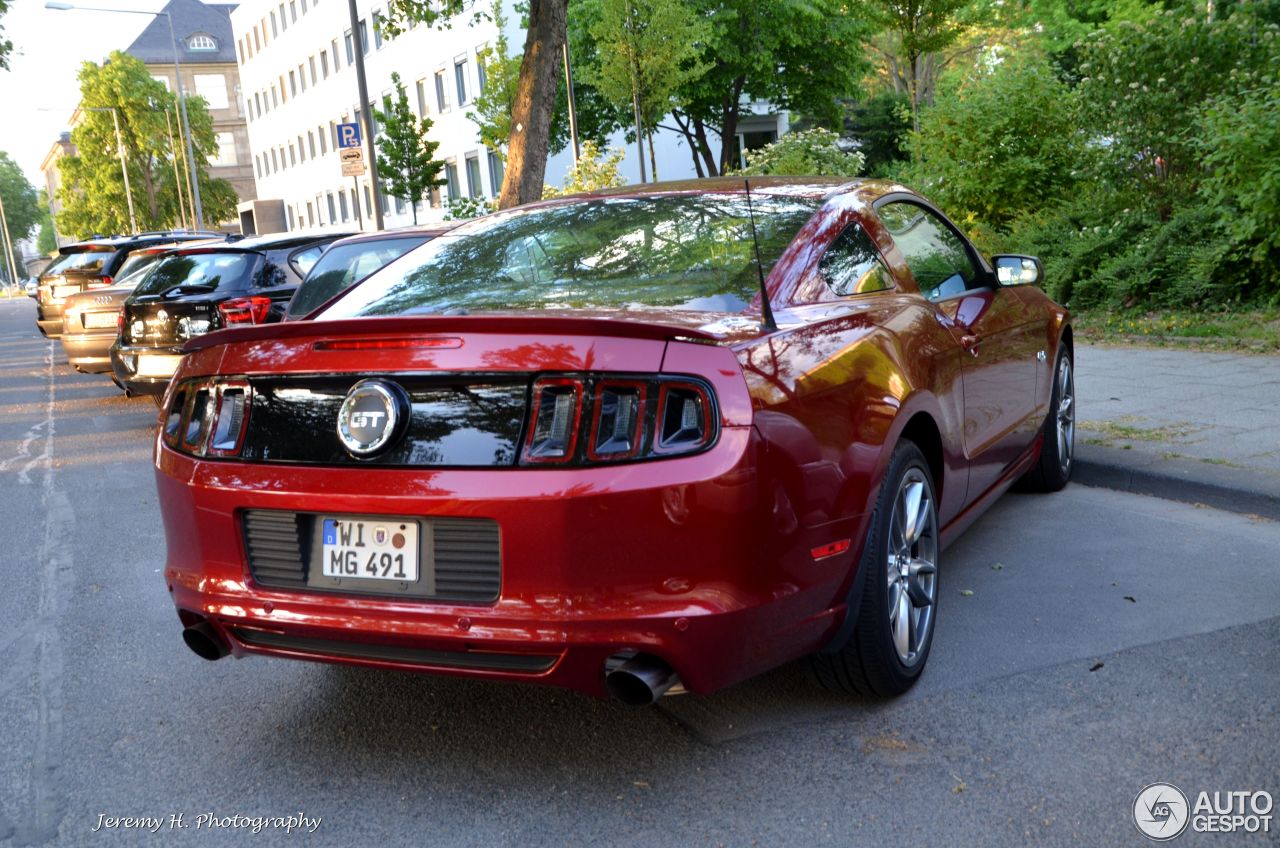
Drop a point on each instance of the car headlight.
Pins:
(188, 327)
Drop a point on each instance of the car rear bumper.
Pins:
(89, 352)
(49, 319)
(674, 558)
(124, 361)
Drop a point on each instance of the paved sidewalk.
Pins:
(1183, 424)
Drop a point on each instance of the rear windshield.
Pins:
(136, 262)
(344, 266)
(194, 272)
(83, 261)
(686, 251)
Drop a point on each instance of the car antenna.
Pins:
(769, 323)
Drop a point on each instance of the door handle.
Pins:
(970, 343)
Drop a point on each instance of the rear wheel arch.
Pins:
(923, 431)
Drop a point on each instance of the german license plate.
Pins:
(64, 291)
(152, 365)
(99, 320)
(369, 548)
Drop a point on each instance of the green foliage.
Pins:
(1000, 141)
(596, 169)
(645, 52)
(21, 204)
(47, 240)
(93, 192)
(491, 110)
(406, 163)
(814, 152)
(462, 208)
(6, 46)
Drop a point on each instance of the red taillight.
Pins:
(100, 283)
(245, 310)
(120, 322)
(207, 417)
(628, 418)
(557, 410)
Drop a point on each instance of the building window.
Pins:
(377, 30)
(257, 99)
(201, 41)
(474, 187)
(324, 64)
(293, 11)
(275, 97)
(257, 166)
(342, 203)
(355, 204)
(333, 48)
(226, 152)
(213, 88)
(422, 98)
(333, 215)
(496, 172)
(302, 151)
(284, 22)
(293, 84)
(240, 50)
(460, 77)
(351, 49)
(368, 202)
(312, 62)
(304, 6)
(257, 42)
(275, 33)
(311, 143)
(275, 163)
(323, 148)
(481, 77)
(311, 212)
(451, 178)
(441, 103)
(364, 37)
(293, 155)
(248, 110)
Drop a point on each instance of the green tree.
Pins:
(6, 46)
(47, 240)
(800, 55)
(21, 204)
(646, 51)
(915, 31)
(595, 169)
(814, 152)
(406, 162)
(999, 141)
(93, 193)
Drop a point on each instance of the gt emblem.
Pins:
(373, 415)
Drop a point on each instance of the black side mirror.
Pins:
(1015, 270)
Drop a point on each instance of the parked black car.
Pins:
(196, 290)
(92, 264)
(350, 260)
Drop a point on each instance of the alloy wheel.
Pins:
(1066, 417)
(912, 567)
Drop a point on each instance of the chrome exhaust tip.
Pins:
(640, 680)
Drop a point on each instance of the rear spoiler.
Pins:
(550, 325)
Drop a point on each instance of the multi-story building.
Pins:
(206, 52)
(297, 70)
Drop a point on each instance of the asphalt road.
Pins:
(1089, 643)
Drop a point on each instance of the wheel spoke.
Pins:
(915, 509)
(921, 570)
(902, 626)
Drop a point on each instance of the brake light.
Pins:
(120, 322)
(557, 409)
(208, 417)
(100, 283)
(245, 310)
(615, 418)
(388, 344)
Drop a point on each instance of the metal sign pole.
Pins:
(365, 111)
(355, 186)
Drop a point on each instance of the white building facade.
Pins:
(298, 80)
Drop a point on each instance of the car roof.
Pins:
(283, 241)
(115, 242)
(421, 230)
(810, 187)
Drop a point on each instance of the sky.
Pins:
(39, 91)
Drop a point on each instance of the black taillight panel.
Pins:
(208, 417)
(602, 419)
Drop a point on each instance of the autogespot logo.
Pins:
(1160, 811)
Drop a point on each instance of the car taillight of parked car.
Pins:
(243, 311)
(120, 322)
(100, 283)
(208, 417)
(594, 420)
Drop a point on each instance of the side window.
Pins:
(936, 256)
(851, 264)
(304, 259)
(270, 275)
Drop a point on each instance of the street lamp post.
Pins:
(182, 97)
(124, 169)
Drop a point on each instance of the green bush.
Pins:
(814, 152)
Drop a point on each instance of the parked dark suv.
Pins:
(196, 290)
(91, 264)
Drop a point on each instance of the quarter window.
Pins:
(852, 265)
(938, 258)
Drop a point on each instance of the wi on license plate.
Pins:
(370, 549)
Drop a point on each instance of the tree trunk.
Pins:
(704, 147)
(534, 103)
(683, 125)
(729, 125)
(653, 161)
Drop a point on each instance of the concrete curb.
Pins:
(1224, 487)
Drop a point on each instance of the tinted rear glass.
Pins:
(689, 252)
(136, 262)
(211, 271)
(84, 262)
(344, 266)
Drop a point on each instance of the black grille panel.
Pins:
(488, 661)
(466, 554)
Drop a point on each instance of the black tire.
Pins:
(1053, 470)
(869, 663)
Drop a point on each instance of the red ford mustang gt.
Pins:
(668, 435)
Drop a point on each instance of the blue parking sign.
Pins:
(348, 135)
